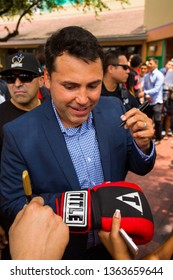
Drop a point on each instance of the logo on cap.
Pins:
(17, 61)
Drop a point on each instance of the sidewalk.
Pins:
(158, 188)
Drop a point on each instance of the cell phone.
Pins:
(131, 245)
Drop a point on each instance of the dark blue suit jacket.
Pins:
(34, 142)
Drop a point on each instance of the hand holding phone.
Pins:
(131, 245)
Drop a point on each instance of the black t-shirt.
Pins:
(8, 112)
(123, 94)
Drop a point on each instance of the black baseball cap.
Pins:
(24, 62)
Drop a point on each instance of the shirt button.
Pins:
(89, 159)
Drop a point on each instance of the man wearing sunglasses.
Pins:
(116, 72)
(23, 78)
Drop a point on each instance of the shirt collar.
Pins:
(73, 130)
(154, 71)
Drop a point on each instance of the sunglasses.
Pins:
(124, 66)
(23, 77)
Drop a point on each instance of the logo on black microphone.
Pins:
(132, 199)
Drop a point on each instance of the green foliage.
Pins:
(26, 8)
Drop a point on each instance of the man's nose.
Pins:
(82, 97)
(17, 82)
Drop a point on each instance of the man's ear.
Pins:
(41, 81)
(46, 78)
(111, 68)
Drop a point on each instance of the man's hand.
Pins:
(38, 233)
(141, 128)
(145, 96)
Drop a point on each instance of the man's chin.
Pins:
(77, 122)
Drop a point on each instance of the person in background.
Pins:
(168, 65)
(4, 92)
(40, 55)
(153, 92)
(73, 141)
(133, 83)
(23, 78)
(167, 110)
(116, 71)
(143, 72)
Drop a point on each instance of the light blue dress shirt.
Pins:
(83, 148)
(153, 86)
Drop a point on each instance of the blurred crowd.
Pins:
(156, 86)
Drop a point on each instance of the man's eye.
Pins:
(70, 86)
(92, 86)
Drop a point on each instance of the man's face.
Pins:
(143, 70)
(75, 88)
(24, 92)
(118, 72)
(169, 65)
(152, 65)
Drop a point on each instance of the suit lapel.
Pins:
(58, 146)
(103, 142)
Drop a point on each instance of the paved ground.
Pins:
(158, 188)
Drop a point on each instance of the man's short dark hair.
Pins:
(74, 40)
(143, 64)
(136, 61)
(153, 59)
(112, 57)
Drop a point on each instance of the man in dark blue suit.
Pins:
(73, 140)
